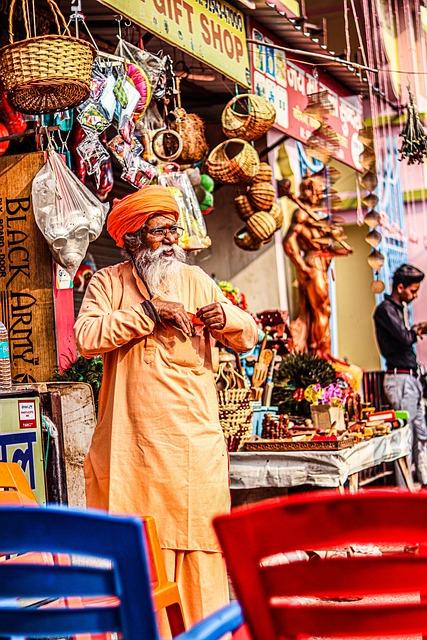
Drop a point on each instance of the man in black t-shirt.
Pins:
(396, 341)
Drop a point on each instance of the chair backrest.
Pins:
(157, 564)
(14, 487)
(281, 598)
(91, 534)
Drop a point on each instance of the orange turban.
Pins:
(131, 213)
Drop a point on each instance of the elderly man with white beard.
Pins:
(158, 448)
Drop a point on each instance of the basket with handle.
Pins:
(258, 117)
(235, 407)
(233, 161)
(46, 73)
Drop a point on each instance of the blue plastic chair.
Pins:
(97, 535)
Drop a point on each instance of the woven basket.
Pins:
(276, 212)
(262, 195)
(191, 128)
(258, 116)
(243, 206)
(246, 241)
(46, 73)
(235, 416)
(265, 173)
(241, 167)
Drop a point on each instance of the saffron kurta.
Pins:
(158, 448)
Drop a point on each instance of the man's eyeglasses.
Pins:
(162, 232)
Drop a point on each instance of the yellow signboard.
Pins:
(211, 30)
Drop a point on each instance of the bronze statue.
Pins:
(311, 243)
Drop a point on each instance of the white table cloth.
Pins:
(253, 470)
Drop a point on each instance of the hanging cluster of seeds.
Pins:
(369, 182)
(414, 138)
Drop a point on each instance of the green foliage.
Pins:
(302, 369)
(83, 370)
(298, 371)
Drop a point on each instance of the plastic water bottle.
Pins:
(5, 371)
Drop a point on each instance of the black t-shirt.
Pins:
(395, 341)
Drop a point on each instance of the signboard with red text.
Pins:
(211, 30)
(287, 84)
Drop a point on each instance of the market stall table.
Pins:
(323, 469)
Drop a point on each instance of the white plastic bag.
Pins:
(66, 212)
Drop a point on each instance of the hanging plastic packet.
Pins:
(66, 212)
(119, 91)
(195, 235)
(127, 129)
(92, 152)
(123, 114)
(153, 65)
(138, 172)
(107, 99)
(92, 118)
(64, 120)
(122, 150)
(97, 84)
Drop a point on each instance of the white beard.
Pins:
(160, 272)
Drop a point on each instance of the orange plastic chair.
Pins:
(14, 487)
(289, 599)
(165, 594)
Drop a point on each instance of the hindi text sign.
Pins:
(287, 85)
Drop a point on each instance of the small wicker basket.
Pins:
(260, 115)
(46, 73)
(241, 167)
(235, 408)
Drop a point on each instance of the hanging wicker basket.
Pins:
(46, 73)
(256, 119)
(232, 166)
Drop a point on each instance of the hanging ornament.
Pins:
(369, 180)
(370, 201)
(377, 286)
(414, 139)
(376, 259)
(373, 238)
(367, 159)
(372, 219)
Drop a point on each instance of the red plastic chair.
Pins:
(282, 599)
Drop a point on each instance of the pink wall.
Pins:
(416, 223)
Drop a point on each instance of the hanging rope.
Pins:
(347, 31)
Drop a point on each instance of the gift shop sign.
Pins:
(211, 30)
(287, 84)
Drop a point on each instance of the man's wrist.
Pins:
(151, 311)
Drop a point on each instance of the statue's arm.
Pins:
(291, 248)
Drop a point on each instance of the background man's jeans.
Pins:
(405, 392)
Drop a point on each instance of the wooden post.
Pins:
(27, 306)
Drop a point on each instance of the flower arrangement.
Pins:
(233, 294)
(334, 394)
(304, 380)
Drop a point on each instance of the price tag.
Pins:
(63, 280)
(27, 414)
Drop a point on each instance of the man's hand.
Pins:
(174, 313)
(420, 328)
(213, 316)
